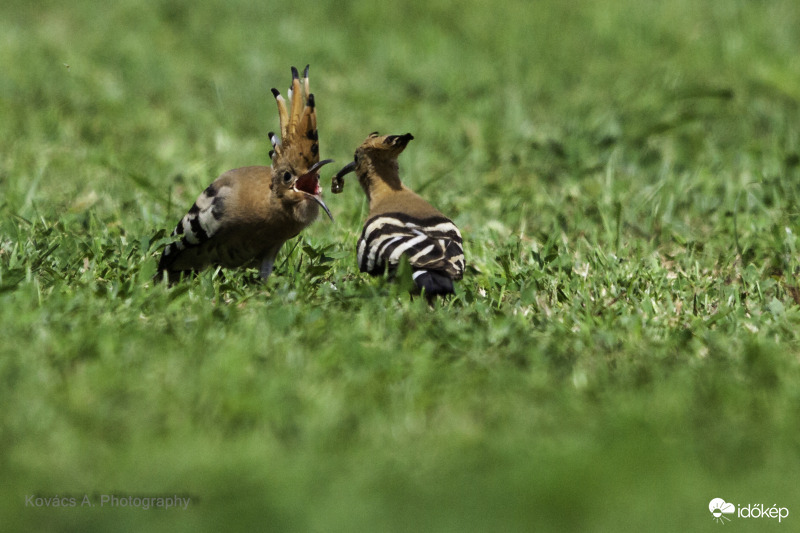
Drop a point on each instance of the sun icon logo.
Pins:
(719, 508)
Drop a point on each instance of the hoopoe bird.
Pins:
(400, 222)
(244, 217)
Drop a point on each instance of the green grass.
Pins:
(623, 348)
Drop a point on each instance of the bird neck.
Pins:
(380, 179)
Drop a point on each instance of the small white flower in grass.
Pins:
(752, 328)
(525, 311)
(482, 292)
(581, 269)
(579, 379)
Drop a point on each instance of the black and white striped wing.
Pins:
(432, 244)
(201, 223)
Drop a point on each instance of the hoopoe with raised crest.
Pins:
(400, 222)
(244, 217)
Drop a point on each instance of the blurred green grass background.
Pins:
(623, 349)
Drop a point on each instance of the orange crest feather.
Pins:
(299, 140)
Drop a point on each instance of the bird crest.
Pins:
(298, 142)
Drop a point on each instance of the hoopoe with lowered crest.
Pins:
(244, 217)
(400, 222)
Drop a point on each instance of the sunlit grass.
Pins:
(623, 348)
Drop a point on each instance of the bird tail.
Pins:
(434, 283)
(298, 123)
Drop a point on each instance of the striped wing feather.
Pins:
(196, 228)
(432, 244)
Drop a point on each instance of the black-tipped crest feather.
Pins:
(299, 140)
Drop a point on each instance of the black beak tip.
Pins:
(398, 140)
(316, 166)
(347, 169)
(337, 181)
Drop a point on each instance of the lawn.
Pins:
(623, 348)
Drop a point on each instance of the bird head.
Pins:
(295, 154)
(376, 158)
(294, 187)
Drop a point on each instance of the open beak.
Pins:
(337, 182)
(308, 184)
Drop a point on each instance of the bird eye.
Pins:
(287, 177)
(355, 159)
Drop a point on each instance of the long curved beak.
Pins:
(318, 199)
(337, 182)
(316, 166)
(312, 174)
